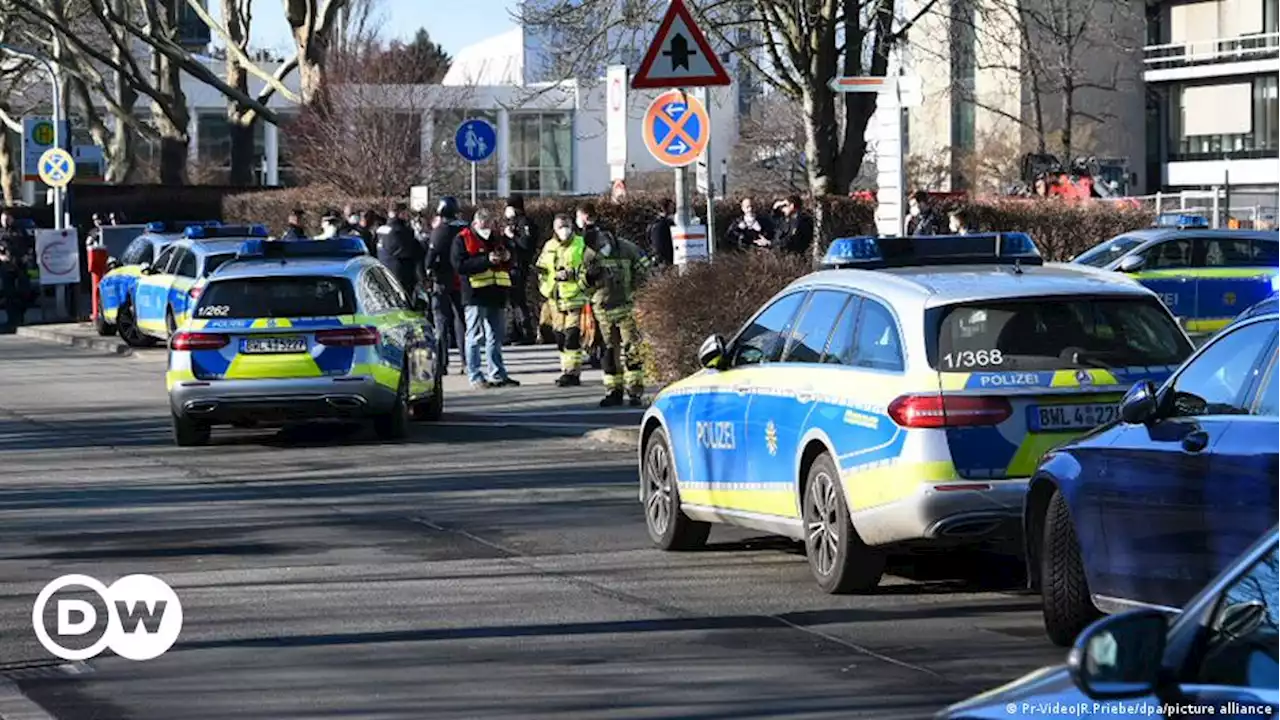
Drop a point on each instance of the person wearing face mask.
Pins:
(615, 267)
(751, 230)
(561, 274)
(483, 259)
(328, 226)
(520, 234)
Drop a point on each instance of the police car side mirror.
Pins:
(146, 269)
(1139, 404)
(1132, 264)
(711, 354)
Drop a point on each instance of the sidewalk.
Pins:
(538, 404)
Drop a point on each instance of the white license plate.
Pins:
(268, 345)
(1070, 417)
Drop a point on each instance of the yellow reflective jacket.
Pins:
(555, 256)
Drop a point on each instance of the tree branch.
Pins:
(275, 84)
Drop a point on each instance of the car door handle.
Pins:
(1195, 441)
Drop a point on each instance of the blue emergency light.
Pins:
(870, 253)
(1181, 220)
(155, 227)
(207, 232)
(338, 247)
(161, 227)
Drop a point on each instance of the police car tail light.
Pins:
(199, 341)
(941, 411)
(349, 337)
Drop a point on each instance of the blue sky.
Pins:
(454, 24)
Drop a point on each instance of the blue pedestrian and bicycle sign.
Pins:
(676, 129)
(476, 140)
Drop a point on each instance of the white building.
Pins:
(1212, 72)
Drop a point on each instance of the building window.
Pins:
(451, 175)
(1225, 120)
(541, 153)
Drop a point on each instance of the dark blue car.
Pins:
(1142, 512)
(1217, 658)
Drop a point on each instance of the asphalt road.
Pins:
(485, 569)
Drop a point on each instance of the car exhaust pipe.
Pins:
(344, 403)
(201, 407)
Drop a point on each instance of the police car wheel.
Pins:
(128, 326)
(170, 324)
(187, 433)
(838, 559)
(394, 425)
(431, 409)
(1064, 589)
(104, 328)
(669, 528)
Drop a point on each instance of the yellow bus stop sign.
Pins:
(57, 168)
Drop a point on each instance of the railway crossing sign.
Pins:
(676, 129)
(476, 140)
(57, 168)
(680, 55)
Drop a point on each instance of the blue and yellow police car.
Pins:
(118, 287)
(901, 397)
(302, 330)
(1205, 276)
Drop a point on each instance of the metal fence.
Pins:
(1223, 208)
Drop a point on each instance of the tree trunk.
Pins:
(311, 69)
(242, 151)
(8, 175)
(241, 122)
(1068, 115)
(171, 122)
(821, 140)
(121, 154)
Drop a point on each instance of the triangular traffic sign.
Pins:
(679, 55)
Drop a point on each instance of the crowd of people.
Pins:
(473, 276)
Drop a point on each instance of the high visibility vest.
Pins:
(568, 255)
(500, 275)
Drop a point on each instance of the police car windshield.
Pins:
(1108, 252)
(213, 262)
(1057, 334)
(277, 297)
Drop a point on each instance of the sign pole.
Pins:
(684, 199)
(473, 184)
(711, 183)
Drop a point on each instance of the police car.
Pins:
(901, 398)
(1206, 276)
(116, 290)
(302, 330)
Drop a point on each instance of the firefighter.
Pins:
(561, 274)
(614, 268)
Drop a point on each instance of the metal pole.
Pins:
(58, 220)
(473, 185)
(1216, 196)
(711, 183)
(1226, 195)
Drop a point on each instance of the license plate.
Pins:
(1070, 417)
(268, 345)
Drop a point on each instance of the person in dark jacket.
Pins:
(750, 230)
(294, 230)
(399, 250)
(796, 233)
(446, 286)
(522, 236)
(483, 259)
(922, 216)
(659, 233)
(367, 228)
(15, 284)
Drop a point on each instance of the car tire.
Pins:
(104, 328)
(838, 558)
(1064, 589)
(127, 326)
(394, 425)
(431, 409)
(170, 323)
(669, 528)
(190, 433)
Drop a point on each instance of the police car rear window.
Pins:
(277, 297)
(1057, 334)
(213, 262)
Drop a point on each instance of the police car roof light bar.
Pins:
(872, 253)
(339, 247)
(198, 232)
(1181, 221)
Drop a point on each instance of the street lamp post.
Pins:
(58, 217)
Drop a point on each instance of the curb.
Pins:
(101, 344)
(629, 437)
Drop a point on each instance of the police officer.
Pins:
(561, 276)
(399, 250)
(16, 250)
(522, 237)
(446, 286)
(615, 268)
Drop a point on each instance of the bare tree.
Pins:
(311, 23)
(237, 15)
(769, 154)
(795, 47)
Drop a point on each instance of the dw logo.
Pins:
(139, 617)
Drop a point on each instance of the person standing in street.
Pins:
(366, 227)
(294, 230)
(521, 237)
(330, 226)
(561, 275)
(796, 234)
(15, 282)
(614, 269)
(446, 287)
(399, 250)
(958, 222)
(483, 259)
(922, 216)
(749, 231)
(659, 233)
